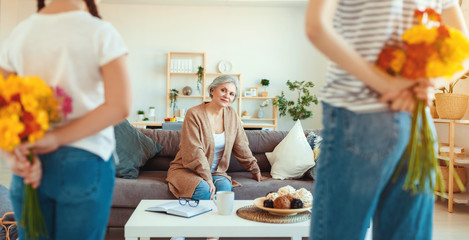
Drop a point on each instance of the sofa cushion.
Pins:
(171, 140)
(259, 143)
(314, 140)
(293, 156)
(133, 149)
(148, 185)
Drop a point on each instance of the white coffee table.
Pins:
(144, 224)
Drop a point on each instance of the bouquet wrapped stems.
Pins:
(32, 220)
(420, 155)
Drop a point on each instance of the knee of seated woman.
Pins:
(202, 191)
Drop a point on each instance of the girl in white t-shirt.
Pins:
(73, 170)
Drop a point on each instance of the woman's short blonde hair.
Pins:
(221, 80)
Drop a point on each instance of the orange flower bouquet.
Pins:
(427, 50)
(28, 107)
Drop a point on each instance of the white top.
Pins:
(219, 149)
(67, 50)
(367, 26)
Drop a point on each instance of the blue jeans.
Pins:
(202, 191)
(75, 194)
(359, 155)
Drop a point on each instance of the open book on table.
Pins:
(174, 208)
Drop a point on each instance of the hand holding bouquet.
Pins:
(28, 107)
(428, 50)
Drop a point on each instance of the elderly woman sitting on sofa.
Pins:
(210, 133)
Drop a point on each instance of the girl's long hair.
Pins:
(89, 3)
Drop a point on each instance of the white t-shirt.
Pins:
(67, 50)
(219, 140)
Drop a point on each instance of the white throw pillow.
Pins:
(292, 157)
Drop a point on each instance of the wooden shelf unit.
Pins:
(170, 74)
(451, 196)
(271, 122)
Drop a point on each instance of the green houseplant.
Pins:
(200, 77)
(265, 83)
(173, 94)
(141, 115)
(297, 110)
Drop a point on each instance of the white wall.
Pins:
(260, 42)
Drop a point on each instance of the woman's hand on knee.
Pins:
(258, 176)
(212, 189)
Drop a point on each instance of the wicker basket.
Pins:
(461, 171)
(433, 112)
(451, 105)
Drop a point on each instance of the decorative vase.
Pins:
(260, 113)
(451, 105)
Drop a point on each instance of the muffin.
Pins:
(287, 190)
(282, 202)
(304, 195)
(271, 196)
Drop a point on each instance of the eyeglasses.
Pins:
(186, 200)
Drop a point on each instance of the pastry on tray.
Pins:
(288, 197)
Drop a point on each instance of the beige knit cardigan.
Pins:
(197, 148)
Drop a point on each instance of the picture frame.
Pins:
(248, 93)
(253, 91)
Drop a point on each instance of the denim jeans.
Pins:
(202, 191)
(75, 194)
(359, 155)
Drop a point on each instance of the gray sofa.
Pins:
(151, 183)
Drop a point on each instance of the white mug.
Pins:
(224, 201)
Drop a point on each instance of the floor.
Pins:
(454, 226)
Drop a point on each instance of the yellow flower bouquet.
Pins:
(27, 109)
(428, 50)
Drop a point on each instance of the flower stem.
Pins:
(420, 156)
(32, 219)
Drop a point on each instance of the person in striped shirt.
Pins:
(366, 120)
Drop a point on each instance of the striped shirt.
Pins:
(368, 25)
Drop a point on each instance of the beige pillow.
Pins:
(293, 156)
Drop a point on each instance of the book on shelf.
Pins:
(174, 208)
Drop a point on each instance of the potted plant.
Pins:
(297, 110)
(141, 115)
(450, 105)
(265, 83)
(173, 94)
(200, 77)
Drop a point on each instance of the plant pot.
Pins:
(451, 105)
(264, 94)
(141, 117)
